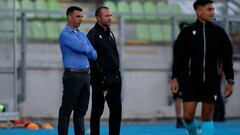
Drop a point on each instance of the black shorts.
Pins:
(201, 91)
(177, 95)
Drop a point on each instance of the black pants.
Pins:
(75, 98)
(219, 109)
(112, 86)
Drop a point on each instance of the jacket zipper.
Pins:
(189, 66)
(204, 53)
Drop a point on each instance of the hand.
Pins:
(228, 90)
(174, 85)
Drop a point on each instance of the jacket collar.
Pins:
(99, 27)
(199, 23)
(70, 29)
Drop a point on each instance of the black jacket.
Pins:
(198, 52)
(107, 54)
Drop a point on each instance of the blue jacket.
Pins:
(76, 49)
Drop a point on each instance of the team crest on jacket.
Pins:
(194, 32)
(215, 97)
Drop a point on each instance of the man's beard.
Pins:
(107, 24)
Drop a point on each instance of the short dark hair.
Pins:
(72, 9)
(97, 12)
(201, 3)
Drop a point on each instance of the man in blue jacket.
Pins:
(198, 52)
(76, 53)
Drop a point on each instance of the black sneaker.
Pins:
(219, 119)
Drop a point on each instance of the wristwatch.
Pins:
(230, 81)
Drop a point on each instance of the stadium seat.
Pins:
(142, 31)
(6, 25)
(41, 5)
(3, 4)
(123, 7)
(28, 4)
(18, 30)
(10, 4)
(130, 31)
(150, 7)
(54, 5)
(136, 7)
(156, 34)
(52, 29)
(84, 27)
(111, 5)
(166, 30)
(17, 4)
(62, 26)
(175, 8)
(163, 9)
(29, 31)
(38, 30)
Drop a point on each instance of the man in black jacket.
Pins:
(198, 52)
(106, 79)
